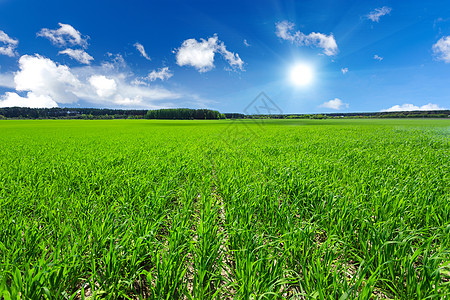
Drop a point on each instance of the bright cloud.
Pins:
(44, 77)
(64, 35)
(442, 49)
(112, 87)
(284, 30)
(379, 58)
(162, 74)
(49, 84)
(344, 70)
(412, 107)
(79, 55)
(200, 55)
(104, 87)
(377, 13)
(7, 45)
(335, 103)
(31, 100)
(141, 50)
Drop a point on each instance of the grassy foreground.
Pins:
(288, 209)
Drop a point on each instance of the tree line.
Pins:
(69, 113)
(103, 113)
(184, 114)
(365, 115)
(191, 114)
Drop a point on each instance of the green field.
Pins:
(288, 209)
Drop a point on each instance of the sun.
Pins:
(301, 75)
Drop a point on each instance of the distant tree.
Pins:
(234, 116)
(183, 114)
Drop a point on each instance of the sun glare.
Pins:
(301, 75)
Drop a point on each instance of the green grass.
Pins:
(275, 209)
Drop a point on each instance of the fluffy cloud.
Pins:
(7, 45)
(162, 74)
(64, 35)
(44, 77)
(141, 50)
(48, 84)
(113, 87)
(104, 87)
(412, 107)
(379, 58)
(284, 30)
(31, 100)
(344, 70)
(79, 55)
(336, 104)
(377, 13)
(442, 49)
(200, 55)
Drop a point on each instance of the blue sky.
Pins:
(361, 55)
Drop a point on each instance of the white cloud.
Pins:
(284, 30)
(7, 45)
(138, 81)
(336, 104)
(49, 84)
(200, 55)
(79, 55)
(115, 88)
(105, 87)
(246, 43)
(344, 70)
(442, 49)
(233, 59)
(162, 74)
(379, 58)
(44, 77)
(412, 107)
(128, 101)
(377, 13)
(31, 100)
(141, 50)
(64, 35)
(116, 61)
(4, 38)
